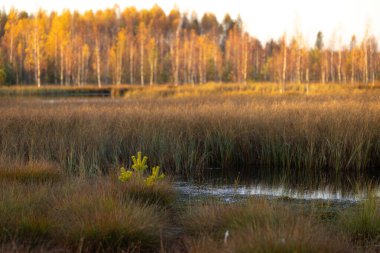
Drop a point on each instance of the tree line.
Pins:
(129, 46)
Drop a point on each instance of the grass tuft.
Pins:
(84, 212)
(362, 222)
(161, 193)
(257, 226)
(32, 172)
(298, 135)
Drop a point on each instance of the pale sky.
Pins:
(263, 19)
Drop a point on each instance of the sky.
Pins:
(263, 19)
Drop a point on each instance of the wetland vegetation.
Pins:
(253, 146)
(61, 159)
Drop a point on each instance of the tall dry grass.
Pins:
(301, 135)
(258, 226)
(84, 215)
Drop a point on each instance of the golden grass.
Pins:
(99, 214)
(161, 193)
(362, 222)
(83, 213)
(184, 90)
(296, 133)
(258, 226)
(32, 172)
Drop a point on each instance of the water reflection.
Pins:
(318, 185)
(230, 193)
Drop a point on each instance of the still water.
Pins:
(232, 193)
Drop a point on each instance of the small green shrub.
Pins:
(149, 188)
(363, 222)
(139, 167)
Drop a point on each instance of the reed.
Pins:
(258, 226)
(161, 193)
(78, 214)
(362, 222)
(32, 172)
(294, 134)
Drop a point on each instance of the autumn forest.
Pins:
(129, 46)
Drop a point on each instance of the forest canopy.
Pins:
(131, 46)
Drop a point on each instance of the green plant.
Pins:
(125, 175)
(139, 167)
(363, 222)
(139, 164)
(156, 176)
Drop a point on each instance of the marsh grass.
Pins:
(210, 89)
(158, 91)
(102, 219)
(297, 135)
(234, 129)
(32, 172)
(55, 91)
(362, 222)
(75, 213)
(161, 193)
(96, 214)
(24, 211)
(258, 226)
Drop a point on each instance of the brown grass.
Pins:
(83, 213)
(161, 193)
(99, 214)
(32, 172)
(258, 226)
(299, 134)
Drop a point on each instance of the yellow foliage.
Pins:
(139, 166)
(125, 175)
(156, 176)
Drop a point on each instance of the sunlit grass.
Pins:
(55, 154)
(161, 193)
(257, 226)
(100, 213)
(297, 134)
(32, 172)
(84, 213)
(362, 222)
(185, 90)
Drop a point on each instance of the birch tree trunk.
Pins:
(284, 66)
(142, 62)
(131, 69)
(365, 61)
(323, 73)
(332, 66)
(340, 66)
(190, 62)
(37, 54)
(245, 58)
(298, 66)
(353, 68)
(176, 68)
(61, 59)
(97, 55)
